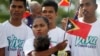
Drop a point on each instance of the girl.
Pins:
(40, 30)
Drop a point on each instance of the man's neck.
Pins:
(90, 20)
(52, 26)
(15, 22)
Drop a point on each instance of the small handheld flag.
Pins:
(64, 3)
(26, 14)
(77, 28)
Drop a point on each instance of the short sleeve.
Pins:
(28, 46)
(3, 38)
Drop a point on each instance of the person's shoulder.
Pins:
(59, 29)
(1, 27)
(4, 23)
(98, 20)
(28, 46)
(26, 26)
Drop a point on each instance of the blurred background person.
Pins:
(35, 10)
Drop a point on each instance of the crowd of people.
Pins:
(38, 34)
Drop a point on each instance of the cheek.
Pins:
(11, 11)
(45, 30)
(43, 14)
(22, 11)
(35, 33)
(53, 16)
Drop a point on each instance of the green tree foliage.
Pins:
(5, 2)
(4, 16)
(61, 12)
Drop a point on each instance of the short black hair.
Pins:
(41, 43)
(94, 1)
(50, 3)
(24, 1)
(44, 18)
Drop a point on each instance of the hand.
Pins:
(61, 45)
(64, 22)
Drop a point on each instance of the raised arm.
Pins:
(50, 51)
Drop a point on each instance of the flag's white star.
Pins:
(69, 25)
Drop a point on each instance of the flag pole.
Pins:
(65, 29)
(67, 20)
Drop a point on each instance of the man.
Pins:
(90, 45)
(49, 10)
(35, 10)
(16, 31)
(3, 41)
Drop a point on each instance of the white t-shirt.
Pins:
(56, 35)
(3, 39)
(16, 37)
(89, 46)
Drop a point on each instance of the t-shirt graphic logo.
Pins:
(90, 42)
(14, 43)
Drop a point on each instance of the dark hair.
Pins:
(94, 1)
(24, 1)
(50, 3)
(44, 18)
(41, 43)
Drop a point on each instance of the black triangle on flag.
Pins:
(77, 28)
(71, 26)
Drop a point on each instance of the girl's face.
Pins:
(40, 27)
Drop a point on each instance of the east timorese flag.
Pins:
(78, 28)
(64, 3)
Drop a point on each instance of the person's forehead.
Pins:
(17, 3)
(40, 20)
(84, 1)
(47, 8)
(35, 5)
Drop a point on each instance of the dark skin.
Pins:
(88, 12)
(89, 8)
(48, 52)
(17, 9)
(2, 51)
